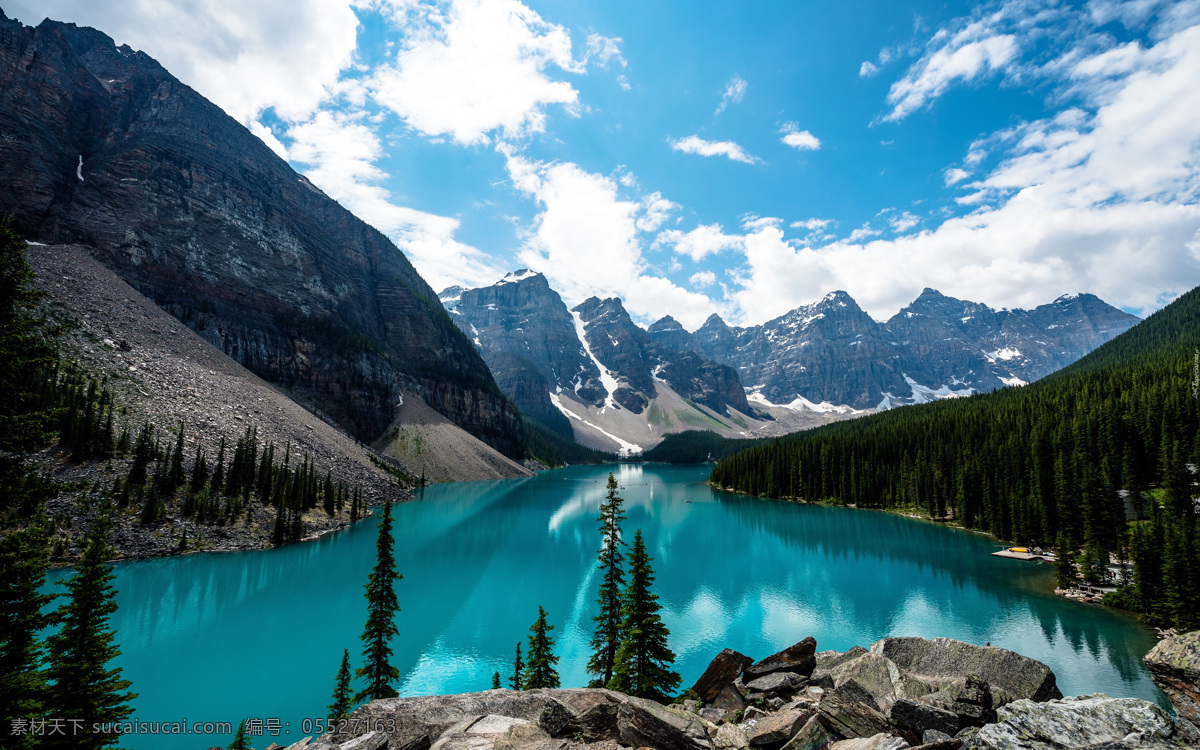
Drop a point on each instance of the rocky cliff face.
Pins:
(595, 353)
(100, 146)
(831, 351)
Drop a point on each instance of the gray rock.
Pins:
(594, 713)
(779, 682)
(881, 741)
(827, 660)
(644, 723)
(812, 736)
(778, 728)
(730, 737)
(880, 677)
(411, 722)
(973, 703)
(919, 718)
(1073, 722)
(799, 658)
(721, 672)
(1174, 666)
(942, 661)
(952, 743)
(369, 741)
(932, 735)
(489, 732)
(730, 698)
(850, 718)
(851, 690)
(715, 715)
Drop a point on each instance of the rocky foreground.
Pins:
(938, 694)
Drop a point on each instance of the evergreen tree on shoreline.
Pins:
(382, 606)
(342, 697)
(539, 669)
(606, 639)
(643, 665)
(23, 560)
(517, 681)
(83, 686)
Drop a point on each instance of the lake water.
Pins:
(217, 637)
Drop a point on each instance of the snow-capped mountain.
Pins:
(833, 353)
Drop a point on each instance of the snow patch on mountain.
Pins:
(800, 403)
(923, 394)
(607, 379)
(626, 449)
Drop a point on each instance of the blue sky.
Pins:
(739, 158)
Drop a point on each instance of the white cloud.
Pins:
(799, 139)
(296, 49)
(586, 240)
(340, 152)
(862, 233)
(811, 224)
(867, 69)
(964, 57)
(694, 144)
(704, 240)
(703, 278)
(605, 49)
(904, 222)
(477, 68)
(267, 136)
(1101, 197)
(735, 91)
(655, 211)
(954, 175)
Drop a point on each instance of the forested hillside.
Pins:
(1046, 463)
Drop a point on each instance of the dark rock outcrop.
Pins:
(920, 718)
(102, 147)
(720, 673)
(1174, 666)
(799, 658)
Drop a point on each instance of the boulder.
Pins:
(799, 658)
(721, 672)
(730, 737)
(594, 713)
(812, 736)
(850, 718)
(644, 723)
(1174, 666)
(778, 728)
(953, 743)
(943, 661)
(715, 715)
(931, 736)
(827, 660)
(972, 703)
(730, 699)
(879, 741)
(368, 741)
(880, 677)
(851, 690)
(1084, 721)
(483, 733)
(778, 682)
(414, 722)
(919, 718)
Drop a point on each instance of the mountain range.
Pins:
(593, 373)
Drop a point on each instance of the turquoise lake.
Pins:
(217, 637)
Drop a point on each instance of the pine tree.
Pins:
(199, 471)
(23, 559)
(342, 697)
(607, 637)
(643, 666)
(539, 670)
(176, 475)
(239, 738)
(382, 606)
(1063, 565)
(516, 682)
(83, 687)
(496, 680)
